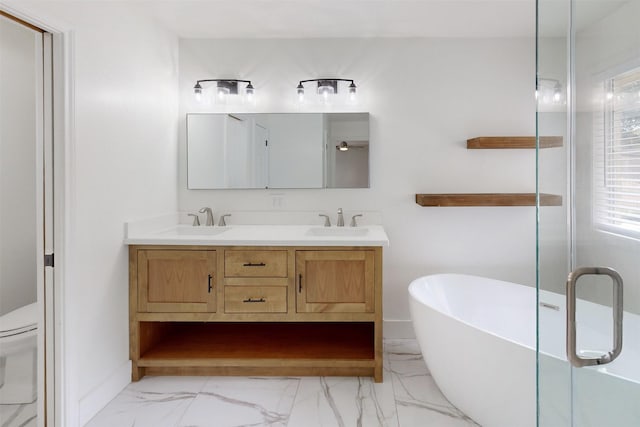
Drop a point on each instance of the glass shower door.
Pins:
(588, 80)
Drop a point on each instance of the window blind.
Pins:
(617, 156)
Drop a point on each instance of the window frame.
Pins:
(608, 142)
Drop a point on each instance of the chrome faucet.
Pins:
(327, 221)
(209, 213)
(221, 222)
(353, 220)
(340, 222)
(196, 219)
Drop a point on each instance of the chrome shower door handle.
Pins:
(572, 280)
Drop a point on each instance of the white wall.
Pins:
(426, 97)
(122, 166)
(17, 165)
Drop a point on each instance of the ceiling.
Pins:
(370, 18)
(347, 18)
(362, 18)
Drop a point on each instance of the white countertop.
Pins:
(260, 235)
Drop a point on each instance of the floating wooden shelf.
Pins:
(487, 199)
(502, 142)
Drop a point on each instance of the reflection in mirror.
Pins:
(282, 150)
(348, 162)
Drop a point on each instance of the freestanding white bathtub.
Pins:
(478, 338)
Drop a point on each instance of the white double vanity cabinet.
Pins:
(256, 300)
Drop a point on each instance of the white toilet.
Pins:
(18, 355)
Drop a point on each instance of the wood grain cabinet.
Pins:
(255, 263)
(226, 310)
(176, 280)
(256, 281)
(335, 281)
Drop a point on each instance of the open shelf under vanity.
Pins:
(256, 348)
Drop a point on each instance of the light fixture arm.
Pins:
(320, 80)
(222, 80)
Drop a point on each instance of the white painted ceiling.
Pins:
(347, 18)
(363, 18)
(370, 18)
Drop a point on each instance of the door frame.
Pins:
(56, 145)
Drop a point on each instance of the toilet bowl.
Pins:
(18, 355)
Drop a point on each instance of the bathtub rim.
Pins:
(415, 284)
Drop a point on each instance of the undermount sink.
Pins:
(197, 231)
(336, 231)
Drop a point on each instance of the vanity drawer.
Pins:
(255, 299)
(248, 263)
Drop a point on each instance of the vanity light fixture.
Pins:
(557, 92)
(327, 87)
(225, 87)
(549, 91)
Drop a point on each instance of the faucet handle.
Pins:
(353, 220)
(196, 219)
(327, 222)
(221, 221)
(340, 220)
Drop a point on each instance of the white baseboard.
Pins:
(98, 398)
(398, 329)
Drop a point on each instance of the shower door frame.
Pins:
(582, 230)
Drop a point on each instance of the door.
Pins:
(588, 265)
(335, 281)
(26, 223)
(172, 281)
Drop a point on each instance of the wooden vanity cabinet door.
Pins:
(172, 281)
(335, 281)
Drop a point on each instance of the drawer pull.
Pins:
(210, 284)
(254, 300)
(251, 264)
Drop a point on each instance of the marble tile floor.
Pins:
(18, 415)
(408, 397)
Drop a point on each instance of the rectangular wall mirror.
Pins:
(277, 150)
